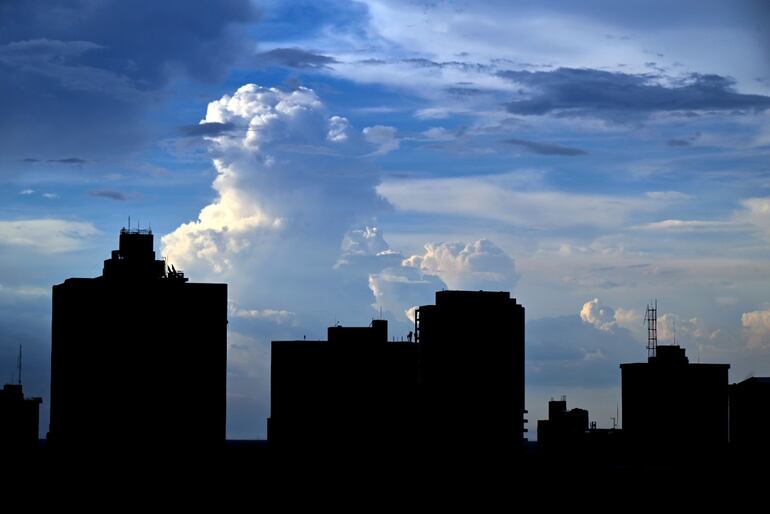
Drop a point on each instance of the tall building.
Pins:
(672, 407)
(750, 416)
(19, 419)
(472, 372)
(138, 355)
(355, 392)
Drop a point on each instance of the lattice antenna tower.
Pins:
(651, 320)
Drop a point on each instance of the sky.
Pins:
(334, 160)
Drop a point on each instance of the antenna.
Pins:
(651, 320)
(129, 223)
(18, 364)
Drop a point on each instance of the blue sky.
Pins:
(331, 159)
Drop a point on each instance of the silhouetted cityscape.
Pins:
(139, 358)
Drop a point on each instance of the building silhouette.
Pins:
(673, 408)
(355, 393)
(563, 428)
(750, 417)
(138, 355)
(472, 373)
(19, 419)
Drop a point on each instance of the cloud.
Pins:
(692, 226)
(600, 316)
(105, 193)
(68, 77)
(292, 188)
(667, 195)
(68, 160)
(756, 212)
(545, 148)
(295, 58)
(50, 196)
(206, 129)
(678, 142)
(26, 192)
(568, 351)
(382, 136)
(278, 316)
(398, 290)
(756, 325)
(684, 330)
(473, 266)
(499, 198)
(46, 236)
(605, 94)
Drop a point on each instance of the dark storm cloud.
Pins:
(545, 148)
(212, 128)
(295, 58)
(589, 92)
(112, 195)
(79, 76)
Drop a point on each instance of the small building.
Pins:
(354, 393)
(750, 416)
(19, 419)
(564, 429)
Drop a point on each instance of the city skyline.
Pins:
(334, 160)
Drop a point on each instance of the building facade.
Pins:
(672, 407)
(139, 354)
(472, 371)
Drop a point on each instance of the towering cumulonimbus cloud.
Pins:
(286, 171)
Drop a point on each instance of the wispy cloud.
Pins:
(106, 193)
(693, 225)
(46, 235)
(592, 92)
(496, 197)
(295, 58)
(68, 160)
(545, 148)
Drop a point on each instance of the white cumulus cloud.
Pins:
(382, 136)
(598, 315)
(756, 325)
(671, 326)
(477, 265)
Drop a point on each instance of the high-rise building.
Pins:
(672, 407)
(138, 355)
(472, 372)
